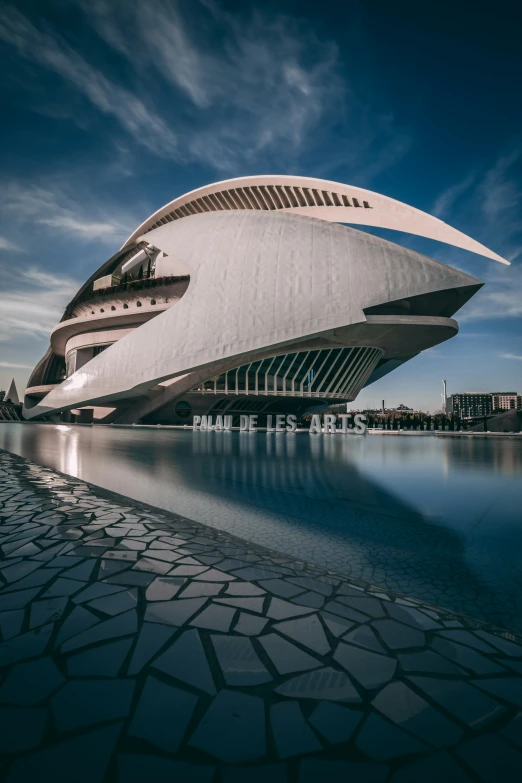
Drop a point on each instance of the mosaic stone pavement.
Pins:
(138, 645)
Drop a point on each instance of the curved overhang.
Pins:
(65, 330)
(322, 199)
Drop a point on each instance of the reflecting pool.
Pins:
(437, 518)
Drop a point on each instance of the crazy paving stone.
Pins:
(162, 714)
(507, 689)
(243, 588)
(153, 566)
(79, 620)
(122, 625)
(131, 579)
(40, 577)
(428, 662)
(101, 700)
(513, 731)
(466, 657)
(197, 589)
(252, 604)
(116, 604)
(11, 623)
(233, 728)
(21, 729)
(104, 661)
(326, 683)
(151, 639)
(83, 571)
(335, 723)
(86, 755)
(467, 703)
(111, 567)
(163, 588)
(411, 616)
(364, 637)
(96, 590)
(187, 570)
(292, 734)
(215, 618)
(504, 645)
(137, 769)
(47, 611)
(185, 660)
(336, 625)
(397, 636)
(381, 740)
(369, 669)
(250, 625)
(404, 708)
(316, 585)
(63, 587)
(467, 638)
(19, 570)
(282, 610)
(492, 758)
(27, 645)
(432, 769)
(26, 550)
(275, 773)
(174, 612)
(314, 600)
(213, 575)
(286, 657)
(314, 770)
(281, 588)
(308, 631)
(17, 600)
(239, 661)
(369, 606)
(31, 682)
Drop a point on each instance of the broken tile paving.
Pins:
(139, 645)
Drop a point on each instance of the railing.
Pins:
(131, 285)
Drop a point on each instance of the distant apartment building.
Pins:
(505, 401)
(470, 404)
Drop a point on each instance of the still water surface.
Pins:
(432, 517)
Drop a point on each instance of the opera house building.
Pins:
(250, 296)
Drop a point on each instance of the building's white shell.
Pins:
(267, 277)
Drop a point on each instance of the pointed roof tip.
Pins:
(11, 394)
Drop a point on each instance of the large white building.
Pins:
(249, 296)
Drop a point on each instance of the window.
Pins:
(153, 301)
(138, 304)
(125, 306)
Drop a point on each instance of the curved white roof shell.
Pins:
(263, 281)
(322, 199)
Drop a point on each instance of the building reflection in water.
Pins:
(436, 518)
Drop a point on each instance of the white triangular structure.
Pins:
(11, 394)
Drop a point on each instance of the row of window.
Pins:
(125, 306)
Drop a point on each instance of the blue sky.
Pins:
(113, 108)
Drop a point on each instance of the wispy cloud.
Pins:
(487, 205)
(447, 199)
(14, 366)
(32, 302)
(197, 83)
(6, 244)
(65, 213)
(518, 357)
(50, 51)
(255, 82)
